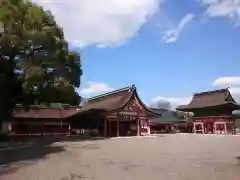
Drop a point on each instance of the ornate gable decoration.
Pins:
(229, 97)
(134, 105)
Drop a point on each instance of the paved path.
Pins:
(180, 157)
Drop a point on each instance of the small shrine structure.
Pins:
(40, 120)
(212, 112)
(170, 121)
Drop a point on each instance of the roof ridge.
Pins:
(113, 92)
(212, 91)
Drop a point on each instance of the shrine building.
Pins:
(212, 112)
(39, 120)
(170, 121)
(117, 113)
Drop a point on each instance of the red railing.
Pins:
(212, 118)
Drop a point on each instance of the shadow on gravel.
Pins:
(78, 139)
(25, 153)
(28, 150)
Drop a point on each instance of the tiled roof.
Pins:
(44, 113)
(109, 101)
(214, 98)
(113, 100)
(167, 116)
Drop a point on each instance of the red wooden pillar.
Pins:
(61, 128)
(110, 127)
(105, 127)
(138, 126)
(117, 124)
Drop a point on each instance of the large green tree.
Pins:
(35, 62)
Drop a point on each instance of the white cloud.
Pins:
(230, 81)
(209, 1)
(233, 82)
(100, 22)
(172, 35)
(162, 102)
(235, 91)
(96, 87)
(223, 8)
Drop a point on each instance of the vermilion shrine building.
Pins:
(40, 120)
(117, 113)
(169, 122)
(212, 112)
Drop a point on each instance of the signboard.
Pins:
(128, 113)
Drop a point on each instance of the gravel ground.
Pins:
(173, 157)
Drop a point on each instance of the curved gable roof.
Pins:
(214, 98)
(110, 101)
(114, 100)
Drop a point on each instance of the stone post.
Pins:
(194, 128)
(203, 130)
(225, 128)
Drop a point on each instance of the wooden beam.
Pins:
(111, 116)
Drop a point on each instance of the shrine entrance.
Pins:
(121, 125)
(125, 128)
(212, 112)
(213, 125)
(198, 127)
(209, 127)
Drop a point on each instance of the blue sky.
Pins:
(169, 49)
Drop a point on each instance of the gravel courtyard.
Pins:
(173, 157)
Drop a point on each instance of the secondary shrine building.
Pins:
(117, 113)
(212, 112)
(40, 120)
(169, 122)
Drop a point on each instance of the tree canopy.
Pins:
(36, 64)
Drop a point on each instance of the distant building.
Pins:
(169, 122)
(40, 120)
(212, 112)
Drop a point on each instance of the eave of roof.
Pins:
(113, 92)
(44, 112)
(119, 98)
(109, 101)
(217, 98)
(167, 116)
(189, 107)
